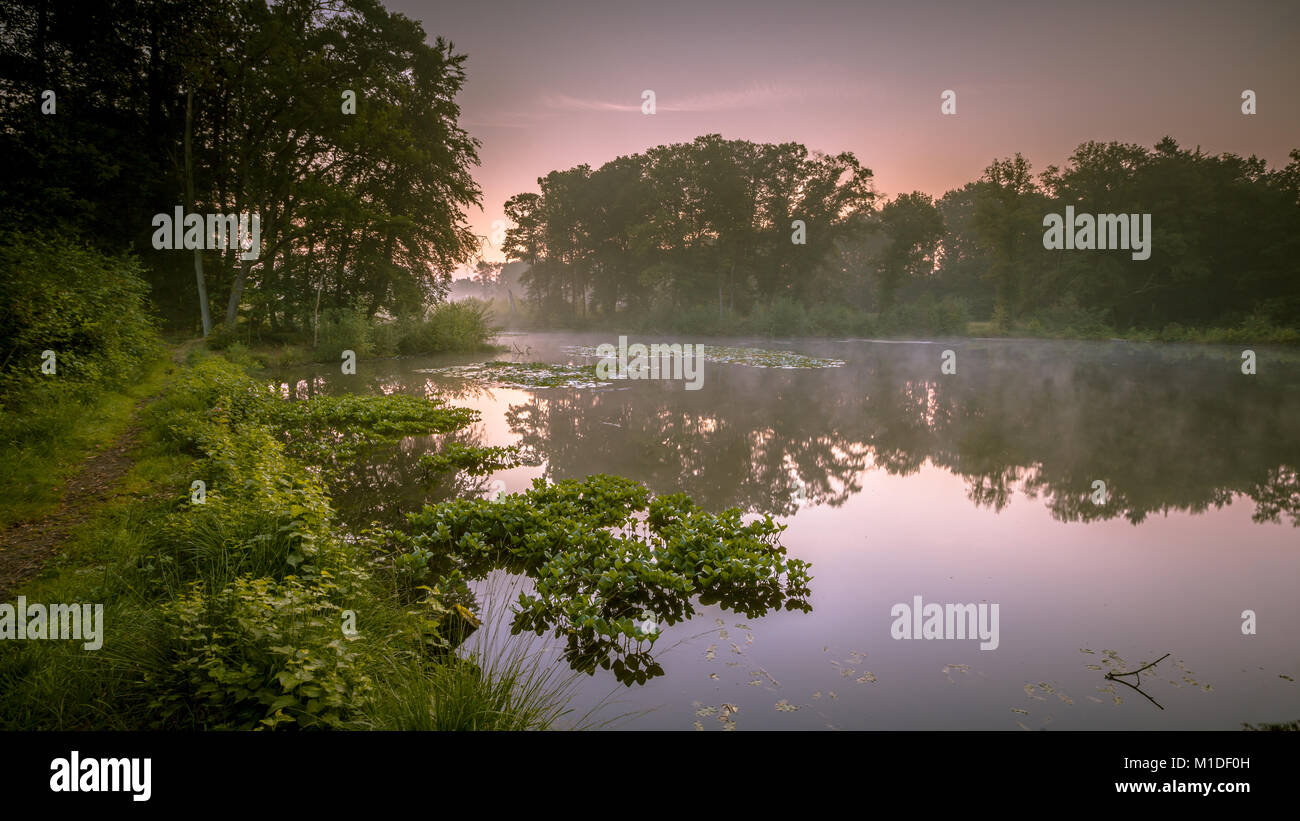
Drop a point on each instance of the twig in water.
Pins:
(1111, 675)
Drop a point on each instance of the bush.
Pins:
(835, 320)
(950, 316)
(449, 326)
(342, 330)
(1067, 317)
(603, 554)
(258, 653)
(783, 317)
(87, 307)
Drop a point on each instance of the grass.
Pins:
(496, 681)
(43, 448)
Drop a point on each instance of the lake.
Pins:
(897, 480)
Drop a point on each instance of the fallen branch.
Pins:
(1111, 675)
(1139, 689)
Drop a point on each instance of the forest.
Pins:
(728, 235)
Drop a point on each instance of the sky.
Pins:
(551, 85)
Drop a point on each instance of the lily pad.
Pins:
(751, 357)
(525, 375)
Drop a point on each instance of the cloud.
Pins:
(755, 96)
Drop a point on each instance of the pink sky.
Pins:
(554, 85)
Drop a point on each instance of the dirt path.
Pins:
(25, 547)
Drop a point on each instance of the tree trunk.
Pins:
(236, 291)
(189, 208)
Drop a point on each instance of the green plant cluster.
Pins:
(476, 460)
(87, 307)
(256, 576)
(605, 556)
(460, 326)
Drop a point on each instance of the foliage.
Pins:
(703, 253)
(228, 611)
(257, 654)
(476, 460)
(448, 326)
(87, 307)
(604, 556)
(703, 223)
(333, 430)
(365, 207)
(342, 330)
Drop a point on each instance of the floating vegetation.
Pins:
(525, 375)
(786, 707)
(724, 713)
(1117, 672)
(474, 460)
(726, 355)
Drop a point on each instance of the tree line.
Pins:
(733, 226)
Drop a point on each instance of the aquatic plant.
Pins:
(610, 564)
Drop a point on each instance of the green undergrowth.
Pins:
(234, 598)
(464, 326)
(78, 351)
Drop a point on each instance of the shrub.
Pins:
(257, 654)
(835, 320)
(87, 307)
(342, 330)
(449, 326)
(783, 317)
(1069, 318)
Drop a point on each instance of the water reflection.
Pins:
(1165, 428)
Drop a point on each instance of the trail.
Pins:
(25, 547)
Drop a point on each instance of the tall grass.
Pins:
(495, 681)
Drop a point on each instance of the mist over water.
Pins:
(896, 480)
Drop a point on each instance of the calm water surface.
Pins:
(895, 481)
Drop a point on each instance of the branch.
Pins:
(1112, 674)
(1139, 689)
